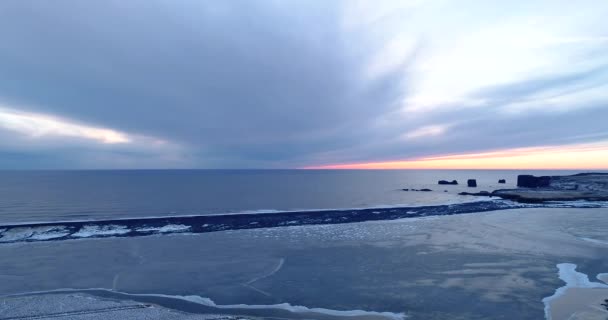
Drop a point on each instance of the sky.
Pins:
(144, 84)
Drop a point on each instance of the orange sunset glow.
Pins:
(587, 156)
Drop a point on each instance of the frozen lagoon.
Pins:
(490, 265)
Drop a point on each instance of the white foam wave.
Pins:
(165, 229)
(254, 212)
(49, 235)
(92, 230)
(33, 233)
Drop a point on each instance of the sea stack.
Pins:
(472, 183)
(530, 181)
(502, 181)
(447, 182)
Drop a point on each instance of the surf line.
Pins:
(135, 227)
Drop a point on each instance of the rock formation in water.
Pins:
(448, 182)
(530, 181)
(480, 193)
(472, 183)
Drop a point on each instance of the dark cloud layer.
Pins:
(247, 84)
(238, 82)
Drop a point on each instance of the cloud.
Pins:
(34, 140)
(276, 84)
(41, 126)
(254, 84)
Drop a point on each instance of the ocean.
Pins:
(47, 196)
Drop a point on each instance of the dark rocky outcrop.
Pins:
(530, 181)
(417, 190)
(480, 193)
(472, 183)
(425, 190)
(502, 181)
(448, 182)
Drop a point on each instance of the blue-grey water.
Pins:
(27, 196)
(496, 264)
(42, 196)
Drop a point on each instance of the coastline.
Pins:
(137, 227)
(496, 258)
(55, 231)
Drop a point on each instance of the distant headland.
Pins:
(591, 186)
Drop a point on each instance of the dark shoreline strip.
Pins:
(54, 231)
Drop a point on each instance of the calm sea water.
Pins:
(28, 196)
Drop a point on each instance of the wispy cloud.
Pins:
(66, 143)
(40, 126)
